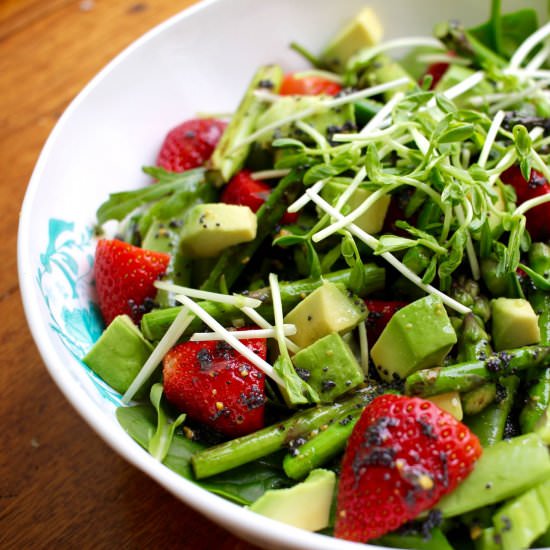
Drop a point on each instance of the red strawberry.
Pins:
(380, 312)
(216, 385)
(537, 217)
(190, 144)
(404, 454)
(294, 84)
(124, 277)
(437, 70)
(243, 189)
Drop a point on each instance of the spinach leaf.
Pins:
(515, 27)
(184, 184)
(242, 485)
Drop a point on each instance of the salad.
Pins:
(332, 307)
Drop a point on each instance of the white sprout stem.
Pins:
(234, 342)
(372, 242)
(470, 251)
(421, 142)
(300, 202)
(288, 330)
(327, 75)
(539, 59)
(253, 315)
(490, 138)
(460, 88)
(327, 104)
(171, 336)
(523, 51)
(268, 97)
(278, 313)
(352, 216)
(236, 300)
(371, 136)
(540, 164)
(443, 58)
(381, 118)
(351, 188)
(363, 347)
(321, 140)
(525, 73)
(510, 99)
(531, 203)
(364, 56)
(270, 174)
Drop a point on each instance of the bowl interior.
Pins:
(198, 61)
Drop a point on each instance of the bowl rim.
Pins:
(231, 516)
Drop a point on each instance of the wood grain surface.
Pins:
(60, 485)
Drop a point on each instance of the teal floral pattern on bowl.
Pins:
(65, 278)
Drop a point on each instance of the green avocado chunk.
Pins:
(363, 31)
(119, 354)
(503, 471)
(329, 367)
(213, 227)
(306, 505)
(327, 309)
(515, 323)
(418, 336)
(520, 522)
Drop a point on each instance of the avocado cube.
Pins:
(213, 227)
(521, 521)
(449, 402)
(418, 336)
(119, 354)
(372, 220)
(329, 367)
(327, 309)
(363, 31)
(305, 505)
(515, 323)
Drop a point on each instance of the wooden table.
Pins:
(60, 485)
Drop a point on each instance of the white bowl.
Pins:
(199, 60)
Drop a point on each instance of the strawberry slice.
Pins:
(243, 189)
(216, 385)
(404, 454)
(537, 218)
(380, 312)
(124, 278)
(190, 144)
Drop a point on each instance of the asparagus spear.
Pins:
(155, 323)
(489, 424)
(319, 449)
(244, 449)
(538, 394)
(473, 344)
(472, 374)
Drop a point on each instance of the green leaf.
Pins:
(161, 440)
(119, 205)
(392, 243)
(313, 260)
(444, 104)
(455, 255)
(296, 390)
(242, 485)
(431, 270)
(289, 240)
(288, 142)
(538, 280)
(458, 133)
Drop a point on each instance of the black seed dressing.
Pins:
(304, 374)
(204, 358)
